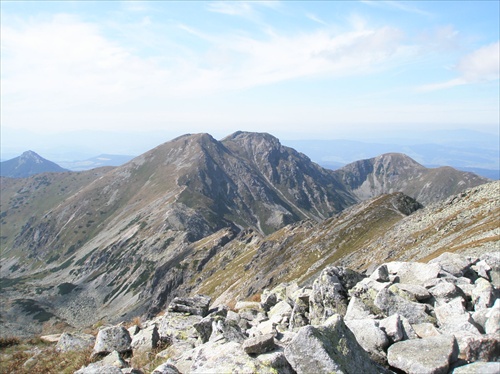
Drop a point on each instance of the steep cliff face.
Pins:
(394, 172)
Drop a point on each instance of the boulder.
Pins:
(453, 263)
(492, 324)
(226, 330)
(425, 330)
(328, 297)
(357, 309)
(109, 339)
(280, 311)
(97, 368)
(146, 339)
(474, 347)
(300, 311)
(483, 294)
(259, 344)
(431, 355)
(196, 305)
(74, 342)
(478, 368)
(166, 368)
(370, 337)
(411, 292)
(380, 274)
(329, 348)
(178, 327)
(114, 359)
(493, 261)
(444, 292)
(413, 272)
(390, 303)
(393, 328)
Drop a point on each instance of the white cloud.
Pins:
(482, 65)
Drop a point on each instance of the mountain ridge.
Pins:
(130, 238)
(27, 164)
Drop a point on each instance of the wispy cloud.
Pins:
(482, 65)
(316, 19)
(404, 6)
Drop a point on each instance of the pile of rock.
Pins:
(439, 317)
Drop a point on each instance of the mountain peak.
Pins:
(29, 163)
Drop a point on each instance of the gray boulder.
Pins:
(493, 261)
(259, 344)
(443, 292)
(478, 368)
(300, 311)
(74, 342)
(393, 328)
(330, 348)
(453, 263)
(115, 338)
(371, 337)
(197, 305)
(146, 339)
(483, 295)
(413, 272)
(390, 303)
(424, 356)
(96, 368)
(166, 368)
(474, 347)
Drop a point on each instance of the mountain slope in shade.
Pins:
(29, 163)
(396, 172)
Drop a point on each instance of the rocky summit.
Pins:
(241, 246)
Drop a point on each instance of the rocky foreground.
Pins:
(405, 317)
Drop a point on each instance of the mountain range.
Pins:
(225, 218)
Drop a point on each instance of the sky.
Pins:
(124, 76)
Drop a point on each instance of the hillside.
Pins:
(115, 242)
(29, 163)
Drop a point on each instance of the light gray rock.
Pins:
(330, 293)
(380, 274)
(493, 261)
(357, 309)
(259, 344)
(482, 294)
(109, 339)
(166, 368)
(114, 359)
(424, 356)
(390, 303)
(96, 368)
(300, 311)
(226, 330)
(453, 263)
(197, 305)
(393, 328)
(329, 348)
(478, 368)
(413, 272)
(412, 292)
(371, 338)
(475, 347)
(178, 327)
(425, 330)
(281, 310)
(74, 342)
(444, 292)
(146, 339)
(492, 324)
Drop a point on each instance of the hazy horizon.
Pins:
(124, 76)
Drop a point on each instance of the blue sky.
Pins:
(295, 69)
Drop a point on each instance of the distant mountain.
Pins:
(29, 163)
(96, 162)
(395, 172)
(480, 154)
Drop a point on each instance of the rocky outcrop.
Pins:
(431, 324)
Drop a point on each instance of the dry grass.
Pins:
(35, 357)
